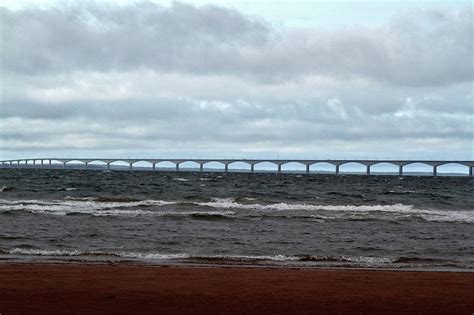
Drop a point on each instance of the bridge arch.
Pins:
(166, 164)
(71, 161)
(352, 167)
(385, 167)
(453, 167)
(322, 167)
(189, 165)
(295, 166)
(214, 165)
(55, 162)
(240, 165)
(96, 161)
(144, 165)
(120, 164)
(265, 166)
(75, 163)
(96, 164)
(416, 167)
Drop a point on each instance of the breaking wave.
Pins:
(231, 208)
(305, 260)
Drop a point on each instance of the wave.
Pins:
(306, 260)
(240, 207)
(102, 208)
(76, 252)
(425, 214)
(6, 188)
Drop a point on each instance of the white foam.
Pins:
(75, 252)
(426, 214)
(181, 179)
(154, 256)
(86, 206)
(228, 207)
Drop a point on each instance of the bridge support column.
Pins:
(226, 168)
(279, 168)
(131, 166)
(368, 170)
(337, 169)
(201, 167)
(400, 170)
(307, 168)
(470, 170)
(252, 168)
(177, 167)
(64, 164)
(42, 163)
(108, 166)
(435, 170)
(154, 166)
(49, 163)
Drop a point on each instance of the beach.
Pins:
(122, 288)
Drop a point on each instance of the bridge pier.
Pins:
(368, 170)
(177, 167)
(154, 166)
(226, 168)
(64, 164)
(307, 169)
(279, 168)
(337, 169)
(252, 168)
(131, 166)
(471, 170)
(108, 166)
(49, 163)
(201, 167)
(400, 170)
(435, 170)
(42, 163)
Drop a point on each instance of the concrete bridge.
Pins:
(46, 162)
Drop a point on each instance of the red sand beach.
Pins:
(85, 289)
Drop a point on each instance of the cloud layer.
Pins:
(147, 78)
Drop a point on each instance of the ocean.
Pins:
(260, 219)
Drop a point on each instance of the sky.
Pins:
(237, 79)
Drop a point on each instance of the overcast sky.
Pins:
(247, 79)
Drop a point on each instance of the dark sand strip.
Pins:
(118, 289)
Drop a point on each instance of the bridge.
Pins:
(46, 162)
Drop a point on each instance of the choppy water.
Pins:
(237, 218)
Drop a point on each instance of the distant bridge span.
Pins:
(40, 162)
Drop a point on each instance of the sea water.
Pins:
(306, 220)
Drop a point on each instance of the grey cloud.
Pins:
(428, 48)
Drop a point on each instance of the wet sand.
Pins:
(118, 289)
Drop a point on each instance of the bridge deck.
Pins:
(226, 162)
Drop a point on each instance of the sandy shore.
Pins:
(85, 289)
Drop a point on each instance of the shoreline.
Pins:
(233, 265)
(121, 288)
